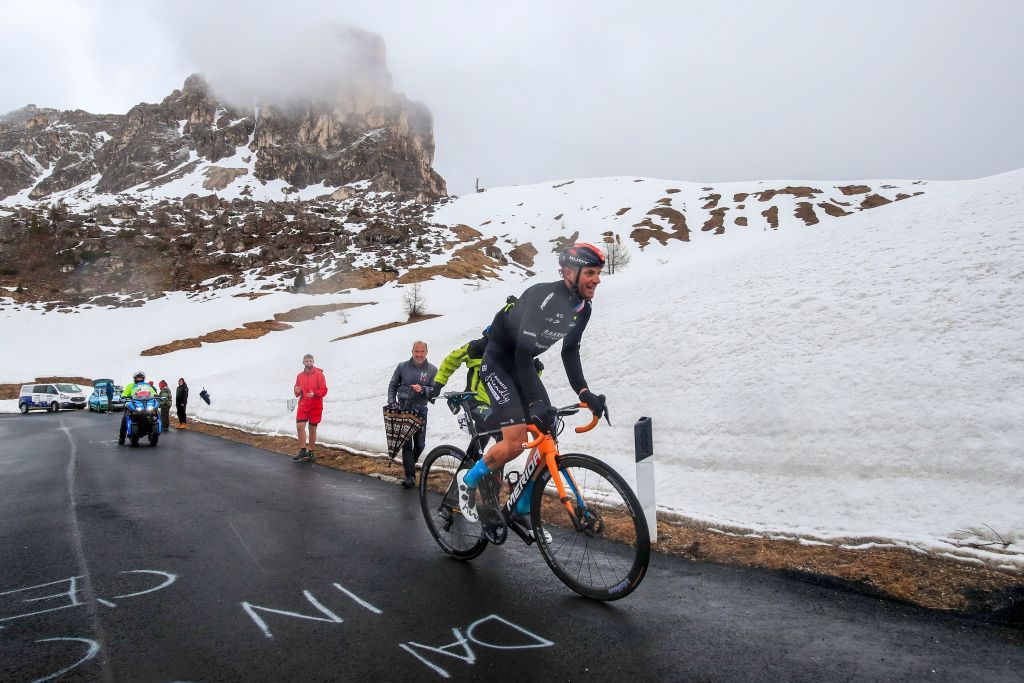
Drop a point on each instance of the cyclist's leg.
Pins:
(508, 411)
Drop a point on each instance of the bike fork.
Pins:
(577, 513)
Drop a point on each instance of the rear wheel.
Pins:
(602, 549)
(439, 498)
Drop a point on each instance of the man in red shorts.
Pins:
(310, 389)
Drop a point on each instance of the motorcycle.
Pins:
(143, 419)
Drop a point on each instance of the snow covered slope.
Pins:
(858, 378)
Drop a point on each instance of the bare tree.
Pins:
(413, 302)
(617, 254)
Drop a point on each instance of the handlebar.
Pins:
(562, 412)
(593, 423)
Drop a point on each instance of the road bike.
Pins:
(584, 517)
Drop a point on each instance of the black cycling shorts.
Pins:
(507, 401)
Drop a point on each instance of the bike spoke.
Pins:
(455, 533)
(603, 554)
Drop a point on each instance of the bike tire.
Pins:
(456, 535)
(608, 559)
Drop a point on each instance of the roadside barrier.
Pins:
(643, 435)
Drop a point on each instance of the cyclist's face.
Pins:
(589, 279)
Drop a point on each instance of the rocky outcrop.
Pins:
(124, 253)
(360, 130)
(49, 150)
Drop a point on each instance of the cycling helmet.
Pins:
(581, 255)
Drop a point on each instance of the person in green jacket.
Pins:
(165, 405)
(138, 382)
(471, 354)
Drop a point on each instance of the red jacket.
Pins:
(311, 381)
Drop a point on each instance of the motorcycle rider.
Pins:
(138, 380)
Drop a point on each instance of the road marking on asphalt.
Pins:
(465, 642)
(329, 616)
(71, 595)
(94, 649)
(357, 599)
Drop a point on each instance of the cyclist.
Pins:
(138, 382)
(543, 315)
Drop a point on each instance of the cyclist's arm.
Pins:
(571, 353)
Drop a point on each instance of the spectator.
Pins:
(180, 401)
(165, 405)
(310, 388)
(411, 387)
(110, 397)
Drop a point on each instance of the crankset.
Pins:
(494, 526)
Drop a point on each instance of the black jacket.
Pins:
(181, 395)
(405, 375)
(544, 315)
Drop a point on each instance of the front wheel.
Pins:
(601, 550)
(154, 439)
(439, 498)
(54, 407)
(23, 407)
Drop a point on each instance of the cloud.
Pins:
(532, 91)
(290, 63)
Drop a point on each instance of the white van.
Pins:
(51, 397)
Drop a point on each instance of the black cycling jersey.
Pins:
(544, 314)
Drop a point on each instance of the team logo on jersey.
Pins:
(546, 300)
(498, 391)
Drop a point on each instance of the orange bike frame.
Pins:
(547, 446)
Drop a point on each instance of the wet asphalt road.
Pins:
(167, 563)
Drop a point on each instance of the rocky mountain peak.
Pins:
(350, 127)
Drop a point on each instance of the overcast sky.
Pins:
(525, 91)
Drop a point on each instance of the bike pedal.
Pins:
(493, 524)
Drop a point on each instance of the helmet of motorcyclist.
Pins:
(139, 376)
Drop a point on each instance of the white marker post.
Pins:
(643, 434)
